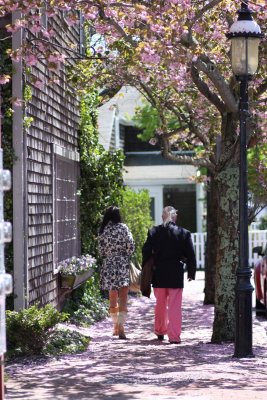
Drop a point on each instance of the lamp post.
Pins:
(245, 35)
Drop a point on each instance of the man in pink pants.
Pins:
(171, 247)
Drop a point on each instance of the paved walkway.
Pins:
(144, 368)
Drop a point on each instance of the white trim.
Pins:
(155, 182)
(199, 206)
(157, 174)
(157, 193)
(126, 122)
(19, 218)
(117, 132)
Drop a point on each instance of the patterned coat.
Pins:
(115, 246)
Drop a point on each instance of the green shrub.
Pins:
(135, 210)
(66, 341)
(101, 179)
(87, 304)
(263, 222)
(29, 330)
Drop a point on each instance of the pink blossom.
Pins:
(149, 56)
(31, 59)
(13, 7)
(90, 15)
(71, 21)
(100, 49)
(217, 35)
(110, 13)
(143, 15)
(20, 23)
(48, 33)
(38, 84)
(41, 47)
(36, 17)
(100, 28)
(4, 79)
(16, 56)
(35, 28)
(54, 81)
(50, 13)
(153, 141)
(12, 28)
(157, 28)
(17, 102)
(56, 57)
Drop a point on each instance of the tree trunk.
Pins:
(227, 255)
(211, 241)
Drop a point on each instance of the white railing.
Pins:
(256, 238)
(199, 241)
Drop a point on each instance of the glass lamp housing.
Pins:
(245, 35)
(244, 55)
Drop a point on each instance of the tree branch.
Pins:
(180, 114)
(147, 93)
(261, 89)
(205, 65)
(190, 123)
(188, 40)
(254, 103)
(108, 94)
(254, 210)
(205, 90)
(119, 29)
(201, 12)
(179, 159)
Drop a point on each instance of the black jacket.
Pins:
(172, 247)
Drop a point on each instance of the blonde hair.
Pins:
(168, 215)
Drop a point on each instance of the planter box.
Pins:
(73, 281)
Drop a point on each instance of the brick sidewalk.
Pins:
(144, 368)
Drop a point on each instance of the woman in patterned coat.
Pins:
(116, 245)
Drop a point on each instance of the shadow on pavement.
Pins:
(144, 368)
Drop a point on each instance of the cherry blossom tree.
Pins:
(176, 54)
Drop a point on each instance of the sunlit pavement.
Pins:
(144, 368)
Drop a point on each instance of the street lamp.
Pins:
(245, 36)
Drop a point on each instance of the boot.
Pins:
(121, 322)
(113, 312)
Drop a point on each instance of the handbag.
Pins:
(135, 277)
(147, 276)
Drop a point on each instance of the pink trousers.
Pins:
(168, 312)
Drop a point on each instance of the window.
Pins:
(183, 198)
(66, 238)
(152, 208)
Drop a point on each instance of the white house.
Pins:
(167, 182)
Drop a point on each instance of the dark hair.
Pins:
(112, 214)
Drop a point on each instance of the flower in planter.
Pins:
(76, 265)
